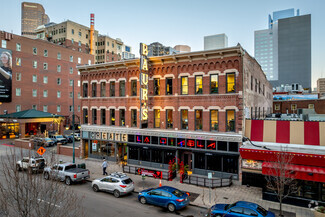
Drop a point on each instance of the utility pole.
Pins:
(73, 153)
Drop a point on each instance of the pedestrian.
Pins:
(104, 166)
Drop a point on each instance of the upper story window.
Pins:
(198, 84)
(58, 81)
(34, 78)
(58, 94)
(122, 117)
(93, 89)
(133, 87)
(112, 89)
(45, 79)
(18, 108)
(44, 108)
(45, 93)
(184, 119)
(4, 44)
(94, 116)
(184, 86)
(169, 86)
(34, 50)
(198, 119)
(231, 83)
(79, 33)
(255, 85)
(72, 31)
(45, 53)
(85, 116)
(18, 91)
(102, 89)
(122, 88)
(79, 60)
(103, 116)
(230, 120)
(35, 64)
(18, 47)
(213, 84)
(156, 86)
(18, 61)
(18, 76)
(311, 106)
(59, 56)
(252, 81)
(45, 66)
(112, 117)
(59, 68)
(133, 118)
(71, 58)
(169, 118)
(156, 118)
(71, 70)
(214, 124)
(294, 107)
(85, 90)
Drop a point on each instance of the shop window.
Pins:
(222, 146)
(169, 118)
(84, 90)
(168, 156)
(198, 119)
(94, 116)
(293, 107)
(133, 118)
(131, 138)
(157, 155)
(85, 116)
(199, 162)
(144, 155)
(156, 86)
(233, 146)
(156, 118)
(112, 89)
(230, 164)
(198, 84)
(169, 86)
(214, 84)
(184, 87)
(133, 153)
(310, 190)
(311, 106)
(122, 117)
(102, 89)
(171, 141)
(103, 116)
(277, 107)
(230, 120)
(214, 162)
(93, 89)
(133, 87)
(231, 83)
(214, 124)
(122, 88)
(184, 119)
(112, 117)
(154, 140)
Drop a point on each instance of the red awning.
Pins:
(309, 173)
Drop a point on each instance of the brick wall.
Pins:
(319, 105)
(68, 150)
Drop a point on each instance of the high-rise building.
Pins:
(32, 16)
(158, 49)
(215, 41)
(321, 87)
(284, 49)
(182, 48)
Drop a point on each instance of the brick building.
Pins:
(42, 75)
(197, 106)
(292, 106)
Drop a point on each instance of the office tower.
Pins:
(215, 41)
(32, 16)
(158, 49)
(182, 48)
(284, 49)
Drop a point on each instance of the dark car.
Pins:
(240, 208)
(165, 196)
(69, 138)
(48, 142)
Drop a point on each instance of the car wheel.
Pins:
(143, 200)
(171, 207)
(68, 181)
(46, 176)
(218, 215)
(18, 168)
(116, 193)
(95, 188)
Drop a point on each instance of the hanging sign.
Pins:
(144, 79)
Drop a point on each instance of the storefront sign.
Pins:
(190, 143)
(116, 137)
(252, 164)
(200, 144)
(181, 142)
(163, 141)
(94, 146)
(144, 79)
(139, 139)
(211, 145)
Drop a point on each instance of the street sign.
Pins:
(41, 151)
(209, 175)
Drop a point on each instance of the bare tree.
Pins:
(280, 178)
(25, 194)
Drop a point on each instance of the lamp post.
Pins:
(73, 153)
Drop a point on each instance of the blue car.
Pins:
(165, 196)
(240, 208)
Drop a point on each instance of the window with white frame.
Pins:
(4, 44)
(59, 68)
(18, 76)
(18, 91)
(70, 108)
(18, 47)
(34, 93)
(79, 60)
(34, 50)
(18, 61)
(71, 58)
(71, 83)
(44, 93)
(78, 83)
(70, 94)
(18, 108)
(71, 70)
(45, 53)
(45, 66)
(34, 64)
(58, 94)
(45, 80)
(34, 107)
(58, 81)
(44, 108)
(34, 78)
(58, 108)
(59, 56)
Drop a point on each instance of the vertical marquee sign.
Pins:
(144, 79)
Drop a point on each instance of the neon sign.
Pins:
(163, 141)
(200, 144)
(190, 143)
(144, 79)
(146, 139)
(211, 145)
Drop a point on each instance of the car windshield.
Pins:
(71, 166)
(178, 193)
(262, 211)
(39, 160)
(59, 136)
(230, 205)
(127, 181)
(47, 139)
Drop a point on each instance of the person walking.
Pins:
(104, 166)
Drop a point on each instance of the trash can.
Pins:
(82, 166)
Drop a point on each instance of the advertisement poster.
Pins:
(5, 75)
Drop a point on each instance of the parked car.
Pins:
(59, 139)
(67, 172)
(116, 183)
(240, 208)
(37, 141)
(69, 138)
(31, 164)
(165, 196)
(76, 136)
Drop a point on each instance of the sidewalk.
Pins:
(218, 195)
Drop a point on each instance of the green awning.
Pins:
(29, 114)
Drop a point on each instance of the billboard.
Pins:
(5, 75)
(294, 96)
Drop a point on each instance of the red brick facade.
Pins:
(283, 106)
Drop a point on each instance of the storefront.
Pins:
(306, 166)
(201, 152)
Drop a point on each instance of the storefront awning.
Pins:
(301, 172)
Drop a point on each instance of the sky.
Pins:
(174, 22)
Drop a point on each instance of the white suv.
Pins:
(116, 183)
(33, 164)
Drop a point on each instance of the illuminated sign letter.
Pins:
(144, 93)
(145, 114)
(144, 64)
(144, 79)
(143, 49)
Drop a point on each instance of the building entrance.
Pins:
(186, 157)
